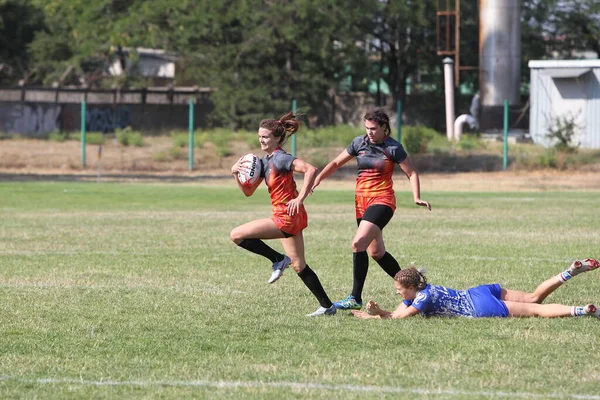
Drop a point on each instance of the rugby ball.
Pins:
(252, 173)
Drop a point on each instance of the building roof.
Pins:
(564, 63)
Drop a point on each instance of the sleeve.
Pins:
(354, 146)
(407, 303)
(422, 302)
(398, 154)
(263, 167)
(283, 162)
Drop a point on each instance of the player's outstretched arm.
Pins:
(374, 311)
(331, 167)
(415, 184)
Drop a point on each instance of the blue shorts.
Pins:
(487, 301)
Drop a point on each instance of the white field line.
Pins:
(300, 386)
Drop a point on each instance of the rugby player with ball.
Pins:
(289, 218)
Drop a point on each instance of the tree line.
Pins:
(260, 54)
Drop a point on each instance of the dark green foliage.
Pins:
(416, 138)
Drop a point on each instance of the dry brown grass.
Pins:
(156, 160)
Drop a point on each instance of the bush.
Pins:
(470, 142)
(221, 139)
(128, 137)
(547, 159)
(57, 136)
(180, 138)
(416, 138)
(90, 137)
(563, 131)
(340, 135)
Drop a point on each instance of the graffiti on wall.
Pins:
(107, 119)
(32, 120)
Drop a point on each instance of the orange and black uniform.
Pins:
(279, 177)
(376, 163)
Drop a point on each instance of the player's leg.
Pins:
(365, 234)
(380, 215)
(248, 236)
(294, 248)
(551, 284)
(386, 261)
(517, 309)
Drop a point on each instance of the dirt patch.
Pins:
(29, 159)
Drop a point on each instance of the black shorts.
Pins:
(286, 235)
(377, 214)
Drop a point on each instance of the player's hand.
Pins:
(314, 186)
(373, 308)
(423, 203)
(293, 206)
(361, 314)
(240, 165)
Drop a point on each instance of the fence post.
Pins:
(191, 136)
(83, 112)
(294, 136)
(505, 153)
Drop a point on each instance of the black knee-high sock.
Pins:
(389, 264)
(361, 266)
(311, 280)
(259, 247)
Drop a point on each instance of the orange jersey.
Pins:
(376, 163)
(279, 177)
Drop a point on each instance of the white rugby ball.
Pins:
(252, 174)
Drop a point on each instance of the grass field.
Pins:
(117, 290)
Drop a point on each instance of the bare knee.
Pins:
(376, 254)
(359, 244)
(534, 298)
(298, 265)
(236, 236)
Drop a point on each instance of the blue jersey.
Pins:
(478, 302)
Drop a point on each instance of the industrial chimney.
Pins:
(499, 59)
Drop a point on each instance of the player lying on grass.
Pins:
(420, 297)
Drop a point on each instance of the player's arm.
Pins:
(415, 185)
(331, 167)
(374, 312)
(241, 166)
(404, 311)
(309, 172)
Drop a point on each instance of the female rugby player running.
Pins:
(289, 217)
(420, 297)
(375, 201)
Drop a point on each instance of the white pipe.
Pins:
(460, 121)
(449, 95)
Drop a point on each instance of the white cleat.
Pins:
(278, 268)
(323, 311)
(591, 309)
(578, 267)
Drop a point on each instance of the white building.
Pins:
(565, 90)
(150, 63)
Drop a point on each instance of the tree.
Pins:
(19, 21)
(401, 37)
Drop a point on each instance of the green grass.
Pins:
(135, 291)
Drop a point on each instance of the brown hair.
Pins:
(380, 117)
(411, 277)
(283, 127)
